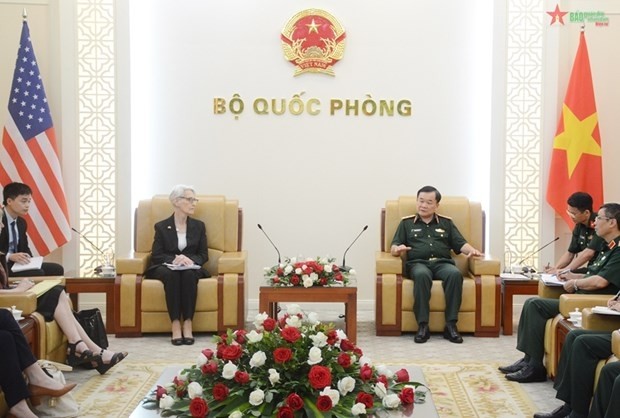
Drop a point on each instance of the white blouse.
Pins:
(182, 237)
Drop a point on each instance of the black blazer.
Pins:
(22, 245)
(166, 243)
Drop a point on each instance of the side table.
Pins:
(563, 328)
(76, 285)
(511, 287)
(270, 296)
(29, 328)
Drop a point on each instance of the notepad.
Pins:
(33, 264)
(604, 310)
(180, 267)
(551, 280)
(44, 285)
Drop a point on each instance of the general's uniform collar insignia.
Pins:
(612, 244)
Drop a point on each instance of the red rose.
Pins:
(366, 398)
(344, 360)
(402, 375)
(161, 391)
(294, 401)
(322, 281)
(358, 352)
(231, 352)
(365, 372)
(285, 412)
(383, 379)
(198, 408)
(295, 280)
(332, 337)
(335, 268)
(242, 377)
(407, 396)
(208, 353)
(324, 403)
(282, 355)
(291, 334)
(346, 345)
(240, 336)
(220, 391)
(319, 377)
(280, 271)
(269, 324)
(209, 367)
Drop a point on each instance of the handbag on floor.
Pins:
(62, 407)
(92, 322)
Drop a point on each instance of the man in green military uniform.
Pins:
(427, 238)
(584, 244)
(602, 276)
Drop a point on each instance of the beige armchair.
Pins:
(481, 306)
(568, 303)
(140, 305)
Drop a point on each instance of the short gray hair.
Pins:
(179, 190)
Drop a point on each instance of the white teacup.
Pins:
(108, 271)
(575, 317)
(17, 313)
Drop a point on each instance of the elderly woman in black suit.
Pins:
(179, 251)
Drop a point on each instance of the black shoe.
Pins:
(514, 367)
(423, 334)
(451, 333)
(529, 374)
(559, 412)
(176, 341)
(188, 341)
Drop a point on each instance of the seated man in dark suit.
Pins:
(13, 239)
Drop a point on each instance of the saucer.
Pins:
(19, 319)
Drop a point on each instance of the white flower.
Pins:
(166, 402)
(346, 385)
(182, 376)
(258, 359)
(313, 318)
(332, 393)
(328, 268)
(293, 309)
(314, 277)
(352, 273)
(358, 409)
(254, 337)
(236, 414)
(201, 360)
(341, 335)
(391, 401)
(380, 390)
(229, 370)
(319, 339)
(194, 390)
(256, 397)
(274, 376)
(288, 269)
(298, 271)
(382, 369)
(365, 360)
(293, 321)
(308, 282)
(314, 356)
(259, 319)
(170, 387)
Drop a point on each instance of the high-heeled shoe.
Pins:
(102, 367)
(36, 392)
(75, 359)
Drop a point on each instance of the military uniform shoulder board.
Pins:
(443, 216)
(408, 217)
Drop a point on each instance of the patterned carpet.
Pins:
(458, 390)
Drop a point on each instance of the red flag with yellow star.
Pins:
(576, 158)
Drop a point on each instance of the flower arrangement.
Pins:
(308, 273)
(292, 367)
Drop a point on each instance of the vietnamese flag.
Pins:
(576, 157)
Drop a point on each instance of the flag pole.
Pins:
(25, 14)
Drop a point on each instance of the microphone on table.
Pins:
(344, 266)
(531, 269)
(92, 244)
(274, 245)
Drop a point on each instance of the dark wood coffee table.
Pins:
(269, 297)
(511, 287)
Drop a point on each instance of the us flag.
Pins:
(29, 153)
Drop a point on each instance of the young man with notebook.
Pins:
(13, 239)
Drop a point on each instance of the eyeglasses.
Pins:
(189, 199)
(602, 218)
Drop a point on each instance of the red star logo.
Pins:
(557, 15)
